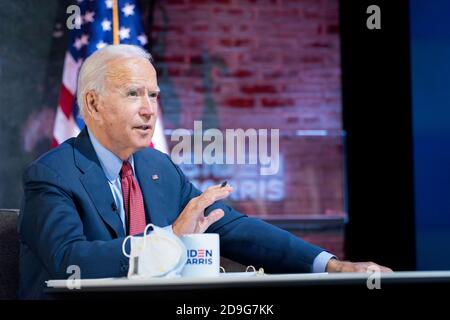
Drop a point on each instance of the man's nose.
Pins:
(148, 107)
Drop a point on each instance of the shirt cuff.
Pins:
(321, 261)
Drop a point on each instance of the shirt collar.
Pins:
(110, 163)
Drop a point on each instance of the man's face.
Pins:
(127, 109)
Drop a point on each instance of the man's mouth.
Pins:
(143, 129)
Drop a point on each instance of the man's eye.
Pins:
(132, 93)
(153, 95)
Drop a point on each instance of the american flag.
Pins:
(99, 22)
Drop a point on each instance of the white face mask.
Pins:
(158, 254)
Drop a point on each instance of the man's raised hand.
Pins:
(192, 218)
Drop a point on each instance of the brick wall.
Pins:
(260, 64)
(276, 59)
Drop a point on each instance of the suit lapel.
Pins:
(94, 181)
(151, 188)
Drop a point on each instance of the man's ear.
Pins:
(91, 102)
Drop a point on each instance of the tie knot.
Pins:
(126, 170)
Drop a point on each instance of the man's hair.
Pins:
(93, 70)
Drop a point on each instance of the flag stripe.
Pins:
(64, 127)
(70, 73)
(66, 101)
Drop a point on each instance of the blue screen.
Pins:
(430, 70)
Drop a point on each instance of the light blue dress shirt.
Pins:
(111, 165)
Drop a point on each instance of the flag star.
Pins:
(106, 25)
(142, 39)
(124, 33)
(78, 44)
(89, 16)
(101, 44)
(128, 9)
(80, 1)
(84, 39)
(108, 4)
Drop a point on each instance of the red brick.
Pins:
(225, 29)
(199, 1)
(241, 73)
(292, 119)
(169, 28)
(240, 103)
(234, 42)
(196, 59)
(168, 58)
(317, 44)
(333, 29)
(277, 102)
(203, 90)
(174, 72)
(200, 28)
(312, 59)
(258, 89)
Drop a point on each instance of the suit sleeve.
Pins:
(51, 227)
(251, 241)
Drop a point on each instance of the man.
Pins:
(82, 198)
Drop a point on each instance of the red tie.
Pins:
(132, 201)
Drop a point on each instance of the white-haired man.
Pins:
(82, 198)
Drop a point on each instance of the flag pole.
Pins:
(115, 11)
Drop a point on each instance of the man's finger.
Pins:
(219, 186)
(219, 189)
(386, 269)
(208, 198)
(214, 216)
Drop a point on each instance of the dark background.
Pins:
(377, 120)
(430, 78)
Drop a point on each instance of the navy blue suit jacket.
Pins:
(67, 218)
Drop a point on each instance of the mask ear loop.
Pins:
(250, 267)
(123, 247)
(150, 225)
(130, 236)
